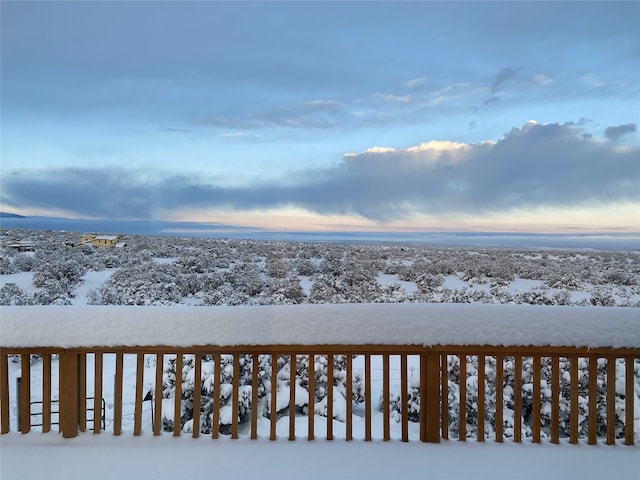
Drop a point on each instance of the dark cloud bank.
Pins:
(614, 133)
(535, 165)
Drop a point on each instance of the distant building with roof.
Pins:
(102, 240)
(22, 246)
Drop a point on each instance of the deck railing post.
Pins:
(69, 391)
(432, 416)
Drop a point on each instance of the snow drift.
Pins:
(376, 324)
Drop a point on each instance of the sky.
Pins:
(324, 116)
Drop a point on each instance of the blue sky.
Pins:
(325, 115)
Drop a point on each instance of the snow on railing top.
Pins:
(347, 324)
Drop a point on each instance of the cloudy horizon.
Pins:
(318, 116)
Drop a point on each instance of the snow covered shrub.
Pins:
(538, 297)
(11, 294)
(23, 263)
(139, 284)
(619, 277)
(278, 267)
(304, 266)
(6, 266)
(225, 294)
(286, 291)
(395, 399)
(48, 274)
(427, 282)
(245, 278)
(206, 385)
(602, 298)
(328, 289)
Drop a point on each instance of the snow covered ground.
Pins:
(188, 271)
(49, 456)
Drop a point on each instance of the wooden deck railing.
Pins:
(435, 382)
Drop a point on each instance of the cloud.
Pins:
(231, 134)
(164, 128)
(502, 76)
(329, 105)
(385, 97)
(314, 114)
(532, 166)
(614, 133)
(416, 82)
(541, 79)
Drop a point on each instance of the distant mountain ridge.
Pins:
(588, 240)
(10, 215)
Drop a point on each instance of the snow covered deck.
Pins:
(453, 347)
(105, 457)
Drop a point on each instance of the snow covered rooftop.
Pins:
(377, 324)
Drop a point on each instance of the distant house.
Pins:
(102, 240)
(22, 246)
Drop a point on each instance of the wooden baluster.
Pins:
(215, 415)
(235, 407)
(157, 399)
(349, 400)
(444, 405)
(330, 396)
(82, 392)
(573, 414)
(255, 368)
(499, 398)
(197, 387)
(312, 397)
(137, 408)
(404, 398)
(177, 397)
(46, 392)
(97, 393)
(367, 398)
(481, 398)
(555, 399)
(593, 401)
(4, 393)
(386, 427)
(535, 401)
(117, 400)
(25, 393)
(274, 396)
(629, 397)
(462, 385)
(611, 400)
(517, 399)
(292, 397)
